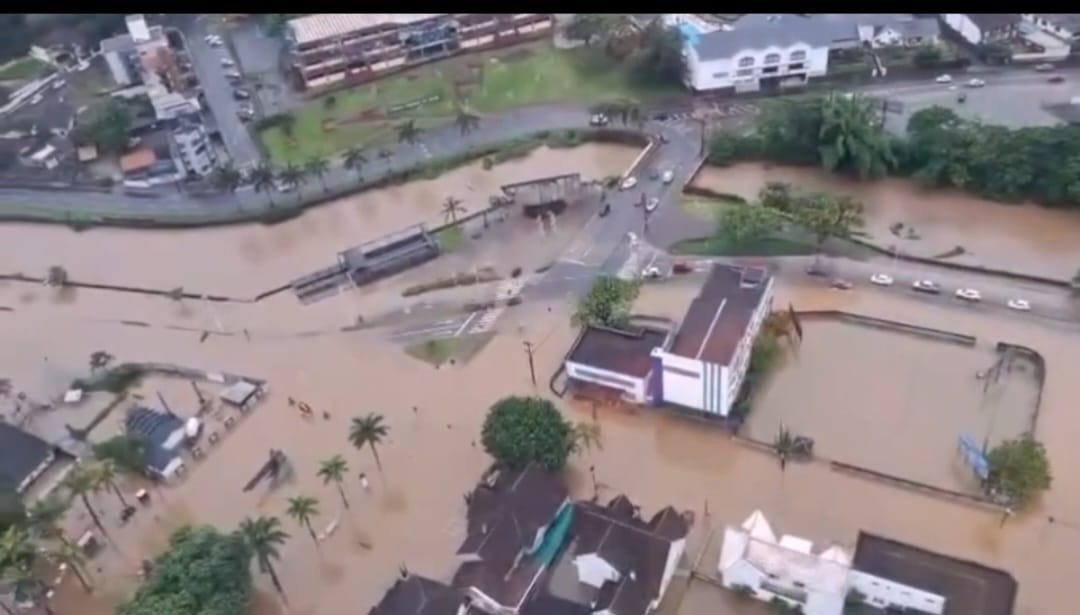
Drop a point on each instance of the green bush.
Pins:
(519, 431)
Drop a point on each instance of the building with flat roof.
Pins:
(708, 358)
(389, 254)
(24, 457)
(619, 360)
(164, 434)
(329, 48)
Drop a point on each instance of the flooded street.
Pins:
(1014, 237)
(248, 259)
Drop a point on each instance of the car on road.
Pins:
(1044, 68)
(818, 270)
(213, 40)
(233, 75)
(1056, 79)
(1020, 305)
(241, 94)
(929, 287)
(651, 273)
(881, 279)
(628, 183)
(668, 176)
(652, 204)
(246, 113)
(944, 79)
(975, 83)
(841, 284)
(599, 119)
(968, 294)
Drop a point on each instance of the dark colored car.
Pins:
(239, 94)
(1057, 79)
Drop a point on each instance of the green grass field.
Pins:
(490, 82)
(23, 68)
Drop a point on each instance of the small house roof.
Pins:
(137, 159)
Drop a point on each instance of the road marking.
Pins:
(573, 261)
(465, 324)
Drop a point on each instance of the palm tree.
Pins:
(73, 559)
(44, 516)
(263, 536)
(778, 325)
(99, 359)
(262, 179)
(408, 132)
(226, 178)
(852, 139)
(386, 156)
(466, 120)
(302, 508)
(368, 430)
(333, 470)
(783, 445)
(293, 177)
(81, 481)
(57, 276)
(17, 555)
(107, 472)
(317, 167)
(451, 208)
(355, 161)
(585, 436)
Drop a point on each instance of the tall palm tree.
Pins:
(99, 359)
(302, 508)
(107, 472)
(333, 470)
(369, 430)
(226, 178)
(43, 518)
(82, 482)
(17, 556)
(585, 436)
(262, 179)
(317, 167)
(73, 559)
(408, 132)
(451, 207)
(293, 176)
(783, 445)
(355, 161)
(263, 536)
(466, 120)
(386, 156)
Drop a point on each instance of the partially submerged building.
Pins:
(164, 434)
(616, 360)
(547, 194)
(417, 595)
(24, 457)
(389, 254)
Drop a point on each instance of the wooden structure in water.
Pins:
(547, 194)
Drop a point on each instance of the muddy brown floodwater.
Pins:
(245, 260)
(1023, 238)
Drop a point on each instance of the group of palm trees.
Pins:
(264, 534)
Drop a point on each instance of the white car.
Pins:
(975, 83)
(968, 294)
(926, 286)
(944, 79)
(652, 204)
(628, 183)
(668, 177)
(1020, 305)
(598, 119)
(227, 63)
(651, 273)
(1044, 68)
(881, 279)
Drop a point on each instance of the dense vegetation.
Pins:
(1019, 470)
(844, 134)
(18, 31)
(607, 303)
(652, 50)
(519, 431)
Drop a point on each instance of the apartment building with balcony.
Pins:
(327, 49)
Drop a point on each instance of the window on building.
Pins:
(744, 72)
(797, 56)
(770, 70)
(772, 58)
(615, 381)
(746, 61)
(796, 66)
(720, 75)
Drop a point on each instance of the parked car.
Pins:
(233, 75)
(651, 273)
(1044, 68)
(1020, 305)
(881, 279)
(841, 284)
(944, 79)
(628, 183)
(241, 94)
(668, 176)
(598, 119)
(968, 294)
(817, 270)
(228, 63)
(975, 83)
(652, 204)
(926, 286)
(1056, 79)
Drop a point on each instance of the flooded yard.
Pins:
(894, 402)
(936, 223)
(246, 260)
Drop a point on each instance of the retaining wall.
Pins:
(892, 325)
(1040, 375)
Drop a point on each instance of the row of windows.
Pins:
(766, 70)
(617, 382)
(773, 58)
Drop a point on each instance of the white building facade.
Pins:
(194, 149)
(754, 561)
(713, 68)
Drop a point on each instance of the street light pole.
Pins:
(532, 367)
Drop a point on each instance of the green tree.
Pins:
(451, 208)
(408, 132)
(827, 215)
(585, 437)
(1019, 470)
(100, 359)
(661, 58)
(293, 177)
(600, 28)
(607, 303)
(110, 129)
(317, 167)
(302, 508)
(466, 120)
(783, 445)
(203, 571)
(742, 225)
(44, 518)
(778, 196)
(763, 354)
(853, 139)
(82, 482)
(333, 470)
(128, 453)
(72, 558)
(355, 161)
(927, 56)
(226, 178)
(262, 179)
(107, 472)
(264, 536)
(522, 430)
(369, 430)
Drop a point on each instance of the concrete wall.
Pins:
(692, 383)
(633, 388)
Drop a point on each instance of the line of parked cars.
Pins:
(930, 287)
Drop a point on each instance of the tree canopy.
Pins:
(742, 224)
(522, 430)
(607, 303)
(1019, 470)
(204, 571)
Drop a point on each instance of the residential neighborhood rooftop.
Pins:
(759, 31)
(21, 454)
(718, 317)
(968, 587)
(312, 28)
(417, 595)
(137, 159)
(620, 351)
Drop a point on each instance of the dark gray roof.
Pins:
(758, 32)
(993, 21)
(623, 352)
(20, 454)
(418, 595)
(154, 428)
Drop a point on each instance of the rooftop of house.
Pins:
(994, 21)
(313, 28)
(968, 587)
(21, 453)
(1069, 21)
(138, 159)
(416, 595)
(718, 317)
(758, 32)
(623, 352)
(159, 430)
(637, 549)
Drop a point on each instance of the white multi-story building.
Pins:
(194, 149)
(707, 361)
(753, 560)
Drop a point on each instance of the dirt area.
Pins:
(1022, 238)
(893, 402)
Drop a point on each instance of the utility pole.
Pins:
(532, 367)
